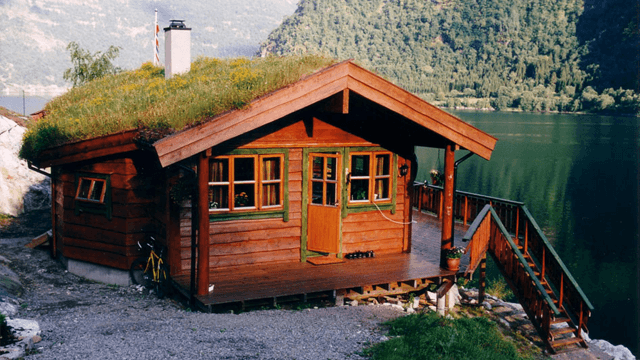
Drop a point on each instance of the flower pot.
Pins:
(453, 264)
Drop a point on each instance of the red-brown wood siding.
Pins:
(135, 210)
(371, 231)
(255, 241)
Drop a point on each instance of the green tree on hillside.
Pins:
(474, 48)
(87, 66)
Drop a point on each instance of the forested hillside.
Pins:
(536, 55)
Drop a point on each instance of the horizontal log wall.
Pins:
(255, 241)
(371, 231)
(93, 237)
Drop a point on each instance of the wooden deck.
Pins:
(297, 281)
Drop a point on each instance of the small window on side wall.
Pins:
(92, 190)
(93, 194)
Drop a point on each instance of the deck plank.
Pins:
(254, 282)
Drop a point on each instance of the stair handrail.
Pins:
(552, 251)
(469, 236)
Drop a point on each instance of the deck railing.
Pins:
(514, 225)
(488, 230)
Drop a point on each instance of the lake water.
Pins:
(30, 104)
(579, 176)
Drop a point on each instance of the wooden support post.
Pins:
(544, 255)
(561, 297)
(447, 206)
(466, 210)
(482, 279)
(203, 225)
(54, 198)
(518, 225)
(526, 237)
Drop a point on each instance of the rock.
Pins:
(9, 283)
(619, 352)
(486, 305)
(432, 297)
(416, 303)
(8, 309)
(28, 331)
(353, 303)
(410, 310)
(21, 189)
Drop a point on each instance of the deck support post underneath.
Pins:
(203, 225)
(447, 216)
(482, 279)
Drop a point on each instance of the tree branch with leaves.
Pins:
(87, 66)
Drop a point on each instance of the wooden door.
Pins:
(323, 215)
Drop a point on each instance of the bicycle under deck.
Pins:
(259, 285)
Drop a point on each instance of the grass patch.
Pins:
(500, 289)
(429, 336)
(143, 99)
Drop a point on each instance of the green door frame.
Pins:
(304, 253)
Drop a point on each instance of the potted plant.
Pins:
(436, 177)
(453, 256)
(241, 199)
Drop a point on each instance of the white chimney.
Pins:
(177, 49)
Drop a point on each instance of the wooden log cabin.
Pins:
(265, 202)
(306, 174)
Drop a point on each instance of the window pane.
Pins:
(244, 170)
(359, 189)
(316, 192)
(318, 168)
(382, 189)
(382, 164)
(96, 193)
(218, 197)
(271, 169)
(244, 195)
(84, 186)
(331, 168)
(331, 193)
(360, 165)
(270, 194)
(219, 170)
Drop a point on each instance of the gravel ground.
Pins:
(82, 319)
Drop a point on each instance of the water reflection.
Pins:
(578, 174)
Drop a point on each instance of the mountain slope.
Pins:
(516, 53)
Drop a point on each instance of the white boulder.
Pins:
(21, 189)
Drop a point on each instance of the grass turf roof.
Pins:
(143, 99)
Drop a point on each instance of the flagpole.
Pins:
(156, 50)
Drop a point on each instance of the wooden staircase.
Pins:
(552, 299)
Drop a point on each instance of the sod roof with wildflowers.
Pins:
(143, 99)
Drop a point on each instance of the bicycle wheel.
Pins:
(138, 275)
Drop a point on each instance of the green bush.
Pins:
(429, 336)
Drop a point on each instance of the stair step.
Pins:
(561, 331)
(560, 320)
(566, 342)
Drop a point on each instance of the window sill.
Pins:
(215, 217)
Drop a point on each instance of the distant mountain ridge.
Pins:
(35, 34)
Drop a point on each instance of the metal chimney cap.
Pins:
(177, 25)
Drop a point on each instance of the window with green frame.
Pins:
(370, 177)
(246, 183)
